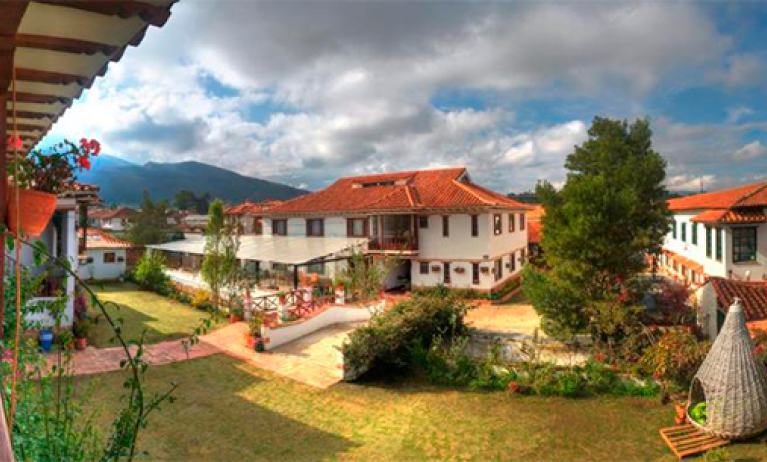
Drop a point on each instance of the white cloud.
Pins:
(745, 70)
(689, 183)
(750, 151)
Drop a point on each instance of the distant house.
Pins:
(718, 234)
(249, 215)
(534, 229)
(718, 294)
(116, 219)
(105, 258)
(195, 221)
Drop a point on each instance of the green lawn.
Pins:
(228, 410)
(161, 318)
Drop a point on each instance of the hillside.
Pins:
(123, 182)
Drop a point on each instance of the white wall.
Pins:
(99, 270)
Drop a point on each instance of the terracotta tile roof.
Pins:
(689, 264)
(422, 189)
(251, 208)
(536, 212)
(724, 199)
(709, 216)
(116, 212)
(752, 294)
(98, 239)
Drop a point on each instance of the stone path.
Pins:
(314, 359)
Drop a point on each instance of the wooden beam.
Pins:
(32, 115)
(60, 44)
(30, 128)
(11, 14)
(153, 14)
(41, 99)
(55, 78)
(3, 203)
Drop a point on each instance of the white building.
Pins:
(105, 256)
(721, 233)
(249, 216)
(446, 229)
(115, 219)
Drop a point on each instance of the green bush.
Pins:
(150, 273)
(389, 339)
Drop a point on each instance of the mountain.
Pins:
(123, 182)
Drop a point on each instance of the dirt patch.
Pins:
(513, 318)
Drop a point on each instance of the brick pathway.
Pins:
(314, 359)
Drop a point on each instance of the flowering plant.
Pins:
(56, 170)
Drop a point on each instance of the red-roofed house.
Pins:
(250, 215)
(719, 233)
(106, 256)
(116, 219)
(719, 293)
(446, 229)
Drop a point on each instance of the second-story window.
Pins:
(694, 233)
(497, 224)
(684, 232)
(356, 227)
(743, 244)
(521, 221)
(280, 227)
(512, 222)
(708, 241)
(315, 227)
(445, 226)
(719, 244)
(423, 222)
(474, 226)
(673, 229)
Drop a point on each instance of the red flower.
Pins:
(513, 387)
(15, 142)
(96, 147)
(84, 162)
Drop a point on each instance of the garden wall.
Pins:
(280, 335)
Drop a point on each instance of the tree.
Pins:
(219, 266)
(188, 200)
(150, 225)
(364, 276)
(610, 214)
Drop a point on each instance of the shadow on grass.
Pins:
(213, 419)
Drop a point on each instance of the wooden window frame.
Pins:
(424, 267)
(113, 259)
(684, 231)
(512, 222)
(719, 251)
(445, 225)
(522, 221)
(446, 270)
(475, 273)
(309, 221)
(738, 254)
(497, 224)
(694, 233)
(474, 225)
(275, 231)
(423, 221)
(350, 227)
(709, 242)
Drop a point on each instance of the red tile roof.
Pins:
(752, 294)
(251, 208)
(534, 229)
(724, 199)
(98, 239)
(406, 191)
(108, 214)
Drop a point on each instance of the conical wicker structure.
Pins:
(732, 383)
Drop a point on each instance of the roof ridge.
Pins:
(749, 195)
(473, 193)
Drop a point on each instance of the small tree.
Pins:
(364, 276)
(150, 271)
(150, 225)
(222, 241)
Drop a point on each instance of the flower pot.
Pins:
(46, 340)
(34, 212)
(233, 318)
(260, 346)
(81, 343)
(250, 341)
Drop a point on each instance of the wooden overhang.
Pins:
(58, 48)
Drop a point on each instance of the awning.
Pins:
(275, 249)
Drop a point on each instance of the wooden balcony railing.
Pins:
(400, 244)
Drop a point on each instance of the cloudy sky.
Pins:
(305, 92)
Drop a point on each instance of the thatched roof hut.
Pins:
(732, 383)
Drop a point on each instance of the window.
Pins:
(109, 257)
(316, 268)
(513, 261)
(512, 221)
(521, 221)
(474, 226)
(423, 222)
(446, 271)
(280, 227)
(694, 231)
(743, 244)
(424, 267)
(445, 226)
(356, 227)
(498, 269)
(475, 273)
(708, 241)
(315, 227)
(719, 244)
(673, 229)
(258, 226)
(497, 224)
(684, 232)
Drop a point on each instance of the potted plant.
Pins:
(80, 331)
(235, 315)
(46, 340)
(254, 330)
(37, 180)
(283, 297)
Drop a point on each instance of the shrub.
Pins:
(390, 337)
(674, 358)
(759, 337)
(202, 299)
(150, 273)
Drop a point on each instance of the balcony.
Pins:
(393, 244)
(393, 233)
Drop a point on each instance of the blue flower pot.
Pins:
(46, 340)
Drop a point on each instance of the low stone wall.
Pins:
(514, 348)
(275, 336)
